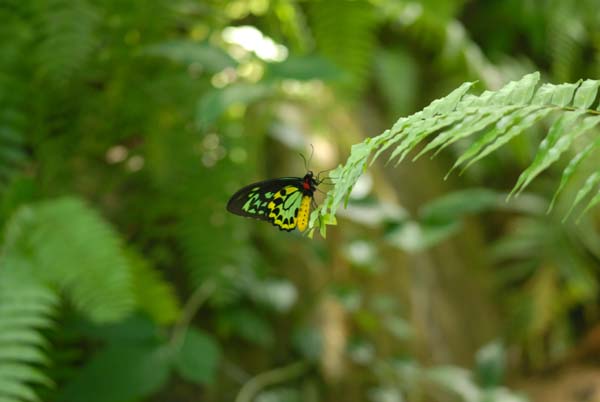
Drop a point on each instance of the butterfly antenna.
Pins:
(306, 163)
(326, 180)
(323, 171)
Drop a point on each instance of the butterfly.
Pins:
(285, 202)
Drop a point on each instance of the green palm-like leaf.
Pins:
(493, 119)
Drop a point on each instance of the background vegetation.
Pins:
(126, 125)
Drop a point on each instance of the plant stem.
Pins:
(267, 378)
(200, 295)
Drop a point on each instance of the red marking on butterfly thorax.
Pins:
(306, 184)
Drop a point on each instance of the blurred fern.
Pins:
(203, 235)
(153, 294)
(66, 37)
(566, 38)
(14, 35)
(435, 25)
(66, 244)
(26, 308)
(543, 279)
(345, 33)
(495, 117)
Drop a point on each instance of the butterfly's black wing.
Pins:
(276, 201)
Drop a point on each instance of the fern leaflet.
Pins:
(26, 307)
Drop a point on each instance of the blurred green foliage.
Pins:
(126, 125)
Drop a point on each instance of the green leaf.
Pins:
(135, 328)
(438, 106)
(120, 372)
(153, 294)
(589, 184)
(346, 36)
(543, 95)
(397, 77)
(490, 365)
(277, 294)
(455, 380)
(399, 328)
(473, 123)
(211, 58)
(213, 104)
(557, 141)
(24, 353)
(561, 145)
(421, 124)
(454, 205)
(522, 91)
(16, 391)
(198, 358)
(344, 179)
(586, 94)
(19, 191)
(563, 94)
(67, 38)
(13, 371)
(26, 308)
(526, 119)
(280, 394)
(422, 129)
(303, 68)
(592, 203)
(448, 103)
(559, 95)
(308, 341)
(572, 167)
(21, 335)
(247, 324)
(414, 237)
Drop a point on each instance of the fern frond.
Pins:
(153, 294)
(566, 37)
(345, 33)
(494, 118)
(202, 231)
(12, 154)
(436, 26)
(26, 308)
(67, 244)
(13, 86)
(66, 29)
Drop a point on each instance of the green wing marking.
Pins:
(256, 202)
(283, 208)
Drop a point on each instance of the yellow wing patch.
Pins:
(281, 208)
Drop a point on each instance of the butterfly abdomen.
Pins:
(303, 213)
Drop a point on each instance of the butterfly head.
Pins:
(309, 183)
